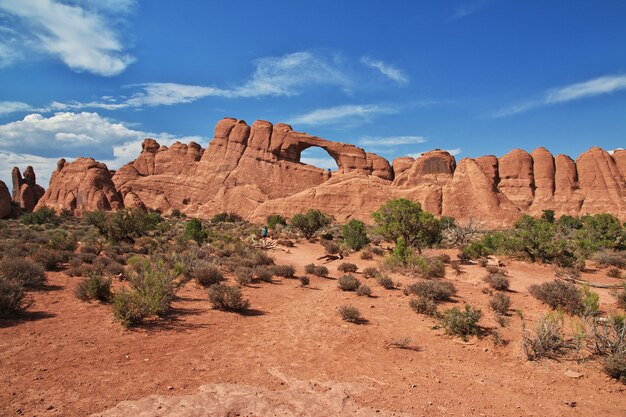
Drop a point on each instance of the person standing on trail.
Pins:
(264, 232)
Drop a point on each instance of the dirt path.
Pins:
(292, 356)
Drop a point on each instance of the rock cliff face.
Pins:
(256, 171)
(5, 200)
(26, 191)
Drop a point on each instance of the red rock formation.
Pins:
(256, 171)
(79, 186)
(5, 200)
(26, 191)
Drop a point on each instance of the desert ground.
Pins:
(291, 354)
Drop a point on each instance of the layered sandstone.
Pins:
(79, 186)
(5, 201)
(26, 191)
(256, 171)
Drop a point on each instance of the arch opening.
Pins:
(319, 158)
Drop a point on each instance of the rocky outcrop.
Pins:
(256, 171)
(5, 201)
(26, 191)
(79, 186)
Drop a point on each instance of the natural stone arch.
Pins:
(307, 147)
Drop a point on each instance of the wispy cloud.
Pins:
(361, 113)
(469, 8)
(82, 38)
(586, 89)
(387, 70)
(8, 107)
(325, 163)
(392, 140)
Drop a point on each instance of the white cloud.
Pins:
(167, 94)
(43, 166)
(340, 113)
(392, 140)
(590, 88)
(387, 70)
(7, 107)
(324, 163)
(45, 139)
(469, 8)
(83, 39)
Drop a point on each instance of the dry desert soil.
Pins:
(292, 355)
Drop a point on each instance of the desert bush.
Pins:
(385, 282)
(62, 240)
(285, 271)
(355, 235)
(493, 269)
(23, 271)
(605, 258)
(613, 273)
(608, 336)
(461, 322)
(423, 305)
(12, 298)
(331, 248)
(347, 267)
(194, 231)
(264, 274)
(207, 274)
(615, 366)
(435, 290)
(49, 258)
(500, 303)
(370, 272)
(310, 222)
(348, 283)
(94, 287)
(548, 340)
(285, 242)
(226, 218)
(155, 286)
(590, 302)
(243, 275)
(559, 294)
(43, 215)
(445, 258)
(350, 314)
(227, 298)
(275, 219)
(129, 308)
(367, 253)
(304, 280)
(621, 297)
(318, 270)
(364, 290)
(497, 281)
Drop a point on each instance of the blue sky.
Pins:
(93, 77)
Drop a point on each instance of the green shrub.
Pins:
(155, 286)
(207, 274)
(275, 219)
(43, 215)
(559, 294)
(129, 308)
(94, 287)
(385, 282)
(12, 298)
(310, 222)
(347, 267)
(227, 298)
(474, 250)
(500, 303)
(605, 258)
(318, 270)
(195, 232)
(497, 281)
(350, 314)
(285, 271)
(423, 305)
(355, 235)
(548, 340)
(23, 271)
(461, 322)
(615, 366)
(348, 283)
(590, 302)
(304, 281)
(226, 218)
(435, 290)
(364, 291)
